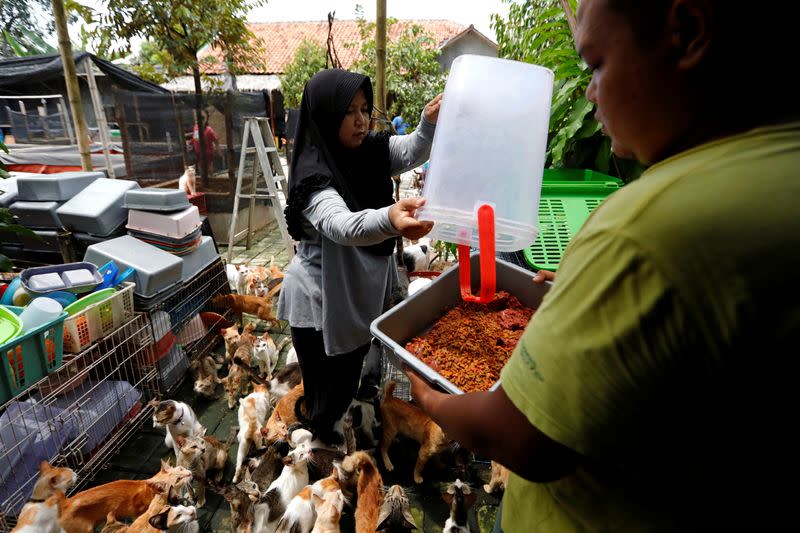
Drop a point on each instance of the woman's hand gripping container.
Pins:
(489, 148)
(97, 315)
(31, 356)
(415, 316)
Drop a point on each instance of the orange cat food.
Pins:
(470, 344)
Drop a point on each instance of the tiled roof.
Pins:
(281, 39)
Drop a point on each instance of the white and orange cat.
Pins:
(180, 420)
(402, 418)
(188, 180)
(499, 478)
(42, 517)
(369, 491)
(51, 479)
(252, 415)
(293, 478)
(300, 514)
(329, 511)
(125, 498)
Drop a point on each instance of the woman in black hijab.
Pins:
(341, 211)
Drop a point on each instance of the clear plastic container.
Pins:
(489, 147)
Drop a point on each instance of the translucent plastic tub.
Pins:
(489, 150)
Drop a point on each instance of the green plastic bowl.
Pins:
(10, 325)
(90, 299)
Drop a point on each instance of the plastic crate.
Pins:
(30, 357)
(98, 320)
(577, 175)
(563, 208)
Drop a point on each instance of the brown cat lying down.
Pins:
(409, 420)
(240, 303)
(124, 498)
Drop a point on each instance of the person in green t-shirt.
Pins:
(653, 389)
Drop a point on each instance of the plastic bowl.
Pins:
(88, 300)
(10, 325)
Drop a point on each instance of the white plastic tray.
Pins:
(175, 225)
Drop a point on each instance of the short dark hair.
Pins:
(646, 17)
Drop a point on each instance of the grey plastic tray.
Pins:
(54, 187)
(47, 241)
(8, 191)
(196, 261)
(157, 200)
(37, 214)
(156, 270)
(26, 275)
(417, 314)
(98, 208)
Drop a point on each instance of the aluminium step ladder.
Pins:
(257, 129)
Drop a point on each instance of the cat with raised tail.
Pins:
(395, 515)
(253, 410)
(460, 497)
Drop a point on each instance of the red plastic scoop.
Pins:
(487, 260)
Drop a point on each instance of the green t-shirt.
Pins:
(664, 351)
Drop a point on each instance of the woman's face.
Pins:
(355, 124)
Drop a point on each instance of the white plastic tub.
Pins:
(174, 225)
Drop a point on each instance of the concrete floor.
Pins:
(141, 456)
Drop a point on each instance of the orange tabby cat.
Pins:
(282, 416)
(124, 498)
(240, 303)
(499, 478)
(409, 420)
(370, 486)
(42, 517)
(159, 516)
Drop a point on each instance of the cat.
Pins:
(177, 497)
(273, 503)
(231, 337)
(252, 305)
(417, 257)
(124, 498)
(369, 490)
(232, 383)
(299, 516)
(402, 418)
(395, 515)
(206, 377)
(329, 510)
(499, 478)
(180, 420)
(201, 455)
(267, 467)
(188, 180)
(460, 497)
(266, 353)
(417, 284)
(159, 516)
(51, 479)
(252, 414)
(241, 498)
(322, 459)
(284, 381)
(283, 415)
(42, 517)
(291, 357)
(365, 412)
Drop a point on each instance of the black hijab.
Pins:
(361, 176)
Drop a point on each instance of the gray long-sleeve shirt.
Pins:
(334, 286)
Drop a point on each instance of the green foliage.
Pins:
(309, 59)
(537, 31)
(178, 29)
(153, 64)
(19, 18)
(413, 75)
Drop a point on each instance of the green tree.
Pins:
(153, 64)
(18, 18)
(536, 31)
(413, 75)
(181, 29)
(309, 58)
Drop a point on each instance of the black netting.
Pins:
(156, 131)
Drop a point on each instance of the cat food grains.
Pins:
(470, 344)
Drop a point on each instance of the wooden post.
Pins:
(380, 67)
(100, 115)
(71, 80)
(229, 142)
(119, 111)
(573, 24)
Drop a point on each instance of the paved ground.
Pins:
(141, 456)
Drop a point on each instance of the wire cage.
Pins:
(390, 372)
(177, 316)
(78, 416)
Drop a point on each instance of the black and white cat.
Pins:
(460, 497)
(179, 419)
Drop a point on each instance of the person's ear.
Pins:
(691, 31)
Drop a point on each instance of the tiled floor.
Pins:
(141, 456)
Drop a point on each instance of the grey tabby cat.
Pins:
(395, 515)
(201, 455)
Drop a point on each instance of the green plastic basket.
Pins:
(563, 208)
(577, 175)
(26, 359)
